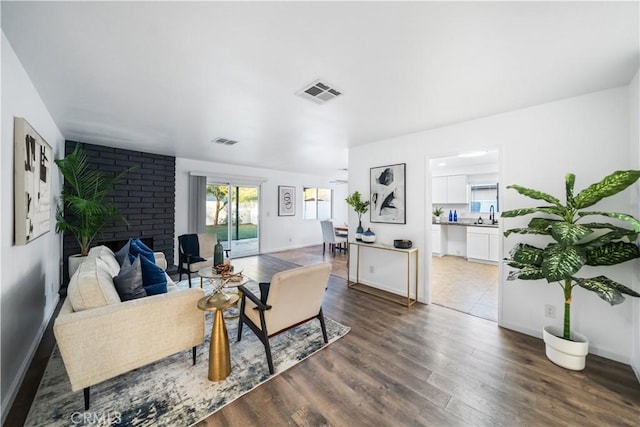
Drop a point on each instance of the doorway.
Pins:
(464, 272)
(233, 215)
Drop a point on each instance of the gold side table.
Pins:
(407, 301)
(219, 354)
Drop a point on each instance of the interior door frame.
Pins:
(428, 215)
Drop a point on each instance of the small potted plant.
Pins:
(437, 213)
(575, 243)
(359, 207)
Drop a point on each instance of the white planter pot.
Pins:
(568, 354)
(437, 219)
(74, 263)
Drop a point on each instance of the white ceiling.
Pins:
(473, 162)
(168, 77)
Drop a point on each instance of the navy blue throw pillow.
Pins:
(128, 282)
(138, 248)
(154, 279)
(143, 246)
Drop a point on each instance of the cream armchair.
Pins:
(294, 297)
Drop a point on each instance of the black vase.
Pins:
(359, 231)
(218, 254)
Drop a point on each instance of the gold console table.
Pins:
(400, 299)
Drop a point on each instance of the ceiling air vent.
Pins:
(224, 141)
(319, 92)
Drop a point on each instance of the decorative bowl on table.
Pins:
(222, 268)
(232, 277)
(402, 244)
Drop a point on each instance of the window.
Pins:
(317, 203)
(483, 196)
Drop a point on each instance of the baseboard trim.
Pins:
(288, 248)
(7, 402)
(595, 350)
(636, 370)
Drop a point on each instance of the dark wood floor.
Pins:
(427, 365)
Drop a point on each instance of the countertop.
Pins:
(467, 224)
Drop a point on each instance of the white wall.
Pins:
(586, 135)
(30, 273)
(634, 138)
(276, 232)
(340, 207)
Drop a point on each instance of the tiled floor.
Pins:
(465, 286)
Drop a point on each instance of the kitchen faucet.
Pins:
(492, 214)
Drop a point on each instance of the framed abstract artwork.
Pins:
(286, 200)
(33, 158)
(388, 194)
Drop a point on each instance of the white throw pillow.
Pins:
(106, 254)
(92, 286)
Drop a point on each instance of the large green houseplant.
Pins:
(83, 209)
(577, 241)
(359, 207)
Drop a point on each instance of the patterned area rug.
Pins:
(172, 391)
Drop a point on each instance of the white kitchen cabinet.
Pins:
(449, 189)
(494, 253)
(482, 244)
(439, 189)
(438, 240)
(457, 189)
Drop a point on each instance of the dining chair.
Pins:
(329, 237)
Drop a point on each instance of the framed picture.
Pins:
(286, 200)
(388, 194)
(33, 158)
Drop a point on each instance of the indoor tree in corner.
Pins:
(576, 241)
(83, 210)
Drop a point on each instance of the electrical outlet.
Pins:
(290, 239)
(550, 311)
(371, 269)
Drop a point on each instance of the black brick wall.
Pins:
(145, 197)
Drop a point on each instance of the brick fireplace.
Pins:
(145, 197)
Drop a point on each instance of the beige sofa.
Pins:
(101, 337)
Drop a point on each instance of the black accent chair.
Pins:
(195, 252)
(302, 288)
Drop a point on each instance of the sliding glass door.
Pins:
(232, 214)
